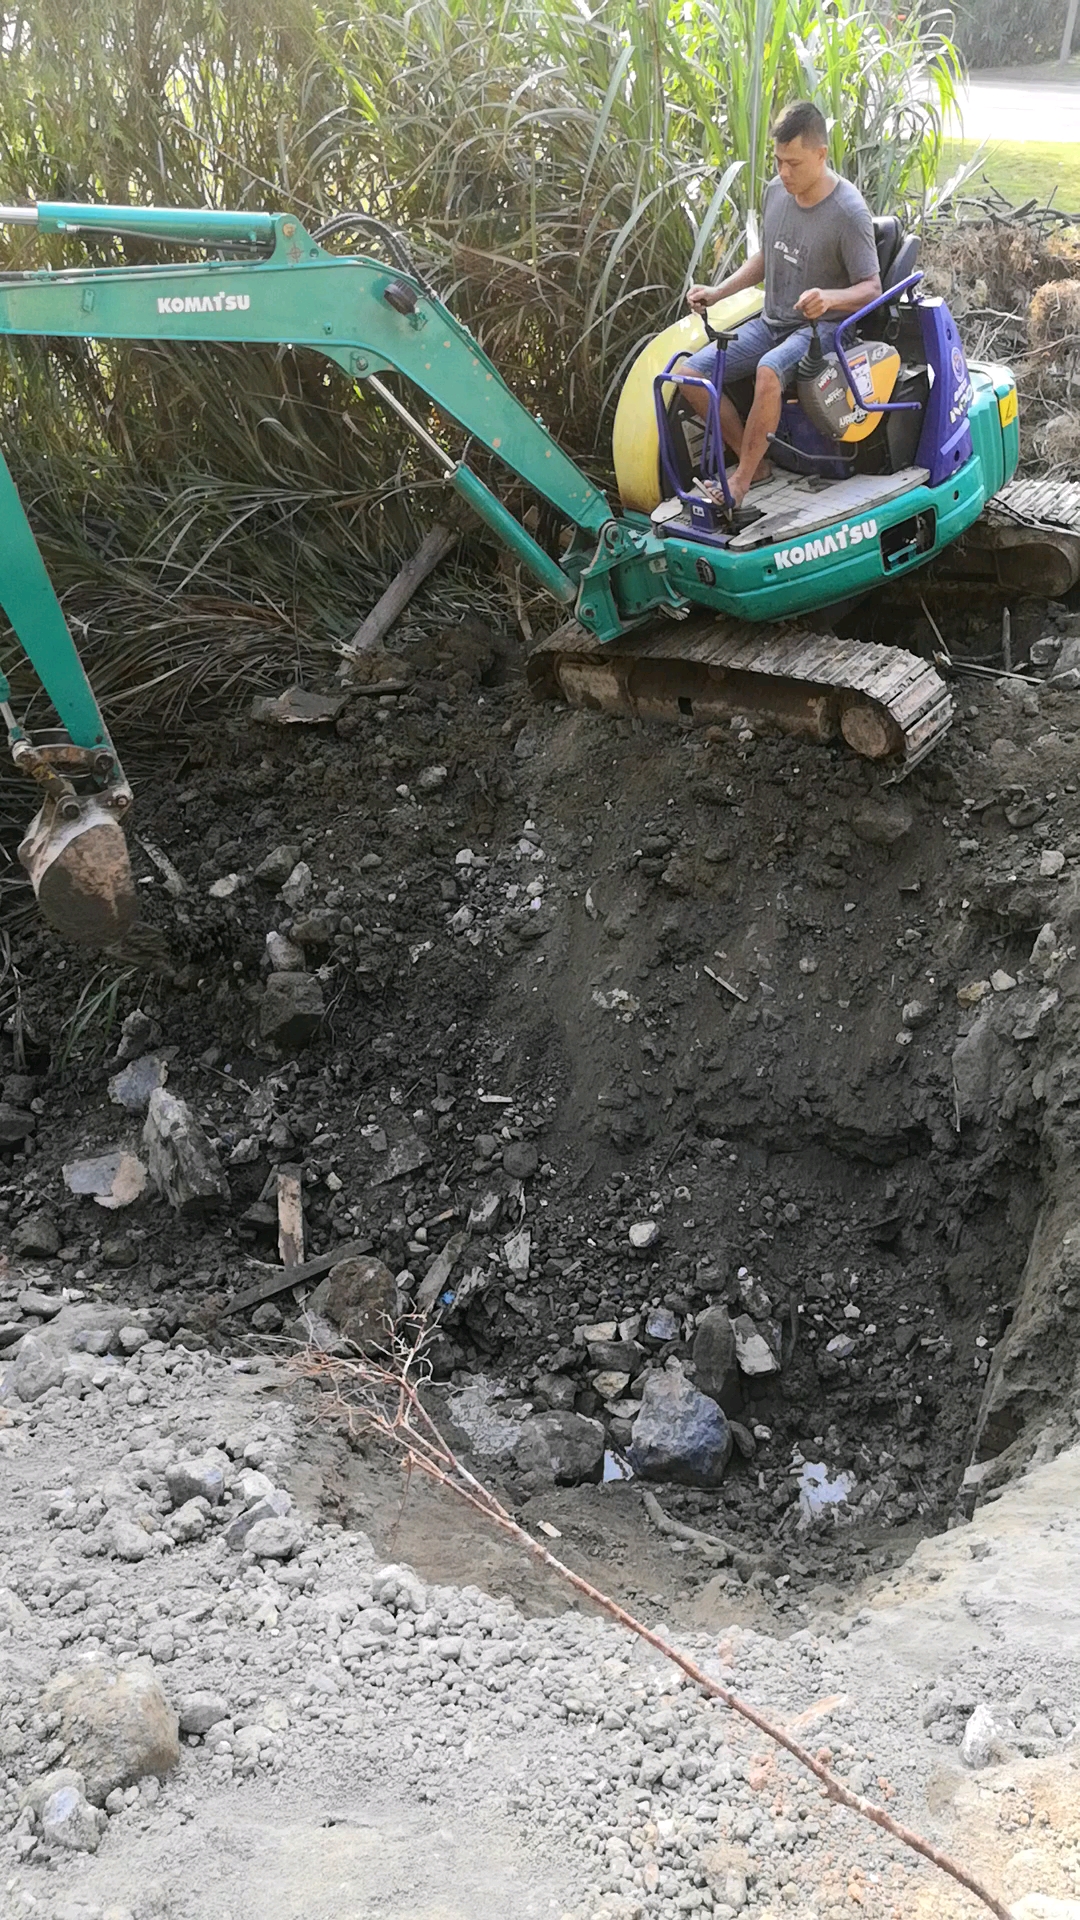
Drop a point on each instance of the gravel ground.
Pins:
(382, 1745)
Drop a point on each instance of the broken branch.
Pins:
(434, 547)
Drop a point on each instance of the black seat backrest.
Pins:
(897, 251)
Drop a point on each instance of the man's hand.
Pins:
(813, 303)
(700, 297)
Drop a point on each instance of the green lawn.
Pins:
(1022, 170)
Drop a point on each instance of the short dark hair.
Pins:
(801, 121)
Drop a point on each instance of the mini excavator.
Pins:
(678, 606)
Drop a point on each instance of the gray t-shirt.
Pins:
(830, 245)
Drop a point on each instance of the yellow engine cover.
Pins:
(635, 444)
(875, 367)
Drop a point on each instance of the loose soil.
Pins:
(677, 964)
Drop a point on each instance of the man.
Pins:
(819, 262)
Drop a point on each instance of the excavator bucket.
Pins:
(80, 870)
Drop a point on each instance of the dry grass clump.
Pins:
(990, 264)
(1054, 315)
(1058, 443)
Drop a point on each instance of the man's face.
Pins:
(800, 166)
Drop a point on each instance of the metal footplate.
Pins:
(886, 704)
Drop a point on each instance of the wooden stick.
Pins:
(280, 1280)
(290, 1211)
(434, 547)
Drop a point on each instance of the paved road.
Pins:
(1033, 103)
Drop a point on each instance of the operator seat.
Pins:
(897, 251)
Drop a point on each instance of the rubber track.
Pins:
(825, 674)
(1047, 503)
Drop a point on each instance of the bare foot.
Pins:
(764, 472)
(740, 484)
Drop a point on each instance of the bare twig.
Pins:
(380, 1399)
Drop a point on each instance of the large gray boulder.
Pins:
(680, 1434)
(116, 1726)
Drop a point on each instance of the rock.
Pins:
(484, 1212)
(916, 1014)
(296, 888)
(644, 1234)
(15, 1124)
(277, 1538)
(563, 1447)
(132, 1086)
(116, 1727)
(35, 1795)
(752, 1350)
(610, 1385)
(183, 1165)
(284, 955)
(67, 1820)
(267, 1318)
(119, 1251)
(132, 1338)
(881, 823)
(291, 1010)
(430, 779)
(36, 1369)
(195, 1480)
(517, 1249)
(1041, 957)
(139, 1033)
(1051, 862)
(272, 1506)
(275, 869)
(45, 1305)
(201, 1710)
(188, 1522)
(679, 1434)
(716, 1371)
(1041, 1906)
(316, 928)
(982, 1739)
(661, 1325)
(18, 1089)
(36, 1234)
(127, 1540)
(971, 994)
(1001, 981)
(111, 1179)
(362, 1301)
(520, 1159)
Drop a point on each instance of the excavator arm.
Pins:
(270, 283)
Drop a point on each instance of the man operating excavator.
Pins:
(819, 263)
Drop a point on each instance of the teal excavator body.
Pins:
(268, 280)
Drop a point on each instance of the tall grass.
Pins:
(212, 514)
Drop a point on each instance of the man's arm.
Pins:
(750, 274)
(817, 301)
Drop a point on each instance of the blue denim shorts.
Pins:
(757, 344)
